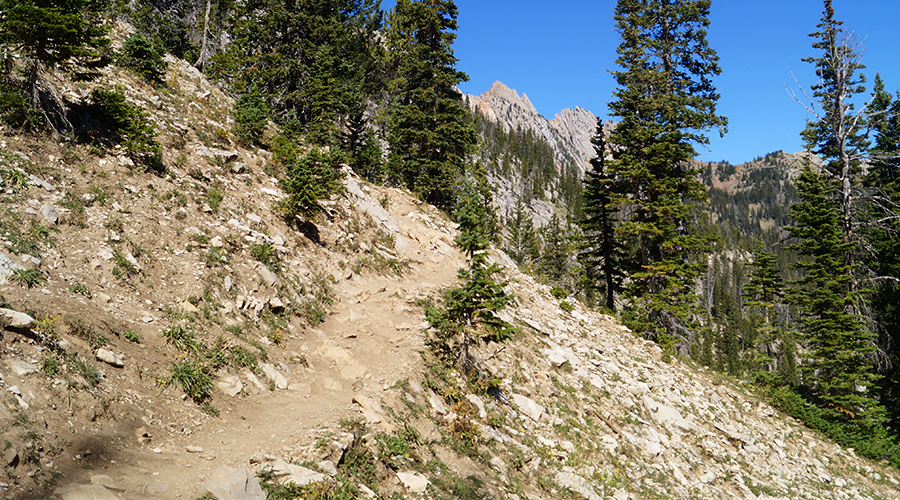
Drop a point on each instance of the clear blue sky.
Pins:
(559, 53)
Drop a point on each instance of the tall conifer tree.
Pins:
(601, 253)
(430, 132)
(665, 103)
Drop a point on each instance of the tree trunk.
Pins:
(204, 46)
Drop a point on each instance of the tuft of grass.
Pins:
(266, 254)
(182, 338)
(131, 336)
(123, 269)
(27, 277)
(193, 378)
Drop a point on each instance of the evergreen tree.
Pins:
(521, 242)
(764, 291)
(312, 59)
(837, 366)
(430, 132)
(54, 32)
(837, 135)
(469, 311)
(665, 102)
(601, 253)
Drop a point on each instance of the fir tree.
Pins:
(521, 242)
(430, 131)
(764, 291)
(54, 32)
(837, 366)
(312, 59)
(601, 253)
(837, 135)
(469, 311)
(664, 103)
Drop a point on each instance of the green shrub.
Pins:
(308, 179)
(16, 109)
(129, 125)
(145, 56)
(266, 254)
(251, 116)
(193, 378)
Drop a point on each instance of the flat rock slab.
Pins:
(666, 415)
(110, 358)
(528, 406)
(85, 492)
(286, 473)
(280, 381)
(14, 319)
(577, 484)
(21, 367)
(232, 484)
(230, 385)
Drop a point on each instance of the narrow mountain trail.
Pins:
(370, 340)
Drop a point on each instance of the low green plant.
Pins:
(16, 109)
(129, 126)
(50, 365)
(266, 254)
(131, 336)
(80, 289)
(86, 331)
(87, 371)
(566, 306)
(193, 378)
(214, 199)
(182, 338)
(27, 277)
(144, 55)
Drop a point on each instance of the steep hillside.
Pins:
(171, 336)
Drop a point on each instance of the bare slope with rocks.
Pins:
(313, 340)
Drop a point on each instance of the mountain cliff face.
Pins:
(557, 175)
(568, 133)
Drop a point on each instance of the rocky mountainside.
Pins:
(567, 136)
(568, 133)
(172, 337)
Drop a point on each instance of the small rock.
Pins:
(156, 488)
(272, 374)
(11, 457)
(15, 319)
(193, 449)
(413, 481)
(232, 484)
(110, 358)
(49, 213)
(328, 467)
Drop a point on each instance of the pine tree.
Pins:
(430, 132)
(469, 311)
(664, 103)
(763, 292)
(313, 60)
(54, 32)
(837, 365)
(601, 253)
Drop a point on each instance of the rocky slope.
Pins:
(314, 341)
